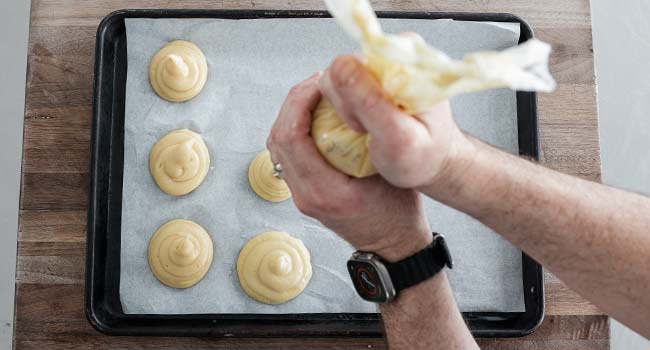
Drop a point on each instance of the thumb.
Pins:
(359, 98)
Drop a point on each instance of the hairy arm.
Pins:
(594, 238)
(425, 316)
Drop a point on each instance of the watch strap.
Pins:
(420, 266)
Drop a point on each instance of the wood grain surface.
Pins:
(50, 273)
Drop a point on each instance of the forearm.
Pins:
(596, 239)
(425, 316)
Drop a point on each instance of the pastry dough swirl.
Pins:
(274, 267)
(178, 71)
(179, 162)
(262, 181)
(180, 253)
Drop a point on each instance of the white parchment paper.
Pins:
(252, 65)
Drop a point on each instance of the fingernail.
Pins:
(348, 71)
(324, 81)
(363, 86)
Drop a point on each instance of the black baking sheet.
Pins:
(103, 306)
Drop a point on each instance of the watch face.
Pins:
(367, 281)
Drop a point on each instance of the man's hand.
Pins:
(592, 237)
(373, 216)
(369, 213)
(408, 151)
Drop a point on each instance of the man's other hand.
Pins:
(408, 151)
(369, 213)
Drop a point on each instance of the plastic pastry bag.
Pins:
(416, 77)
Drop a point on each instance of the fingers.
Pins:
(359, 98)
(295, 114)
(303, 165)
(329, 90)
(294, 120)
(290, 142)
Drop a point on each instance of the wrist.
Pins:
(426, 316)
(405, 247)
(450, 179)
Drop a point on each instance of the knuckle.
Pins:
(304, 206)
(275, 137)
(293, 133)
(372, 100)
(280, 139)
(344, 70)
(296, 91)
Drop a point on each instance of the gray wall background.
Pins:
(14, 26)
(622, 47)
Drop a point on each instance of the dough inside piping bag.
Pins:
(180, 253)
(179, 162)
(178, 71)
(344, 148)
(274, 267)
(263, 182)
(416, 77)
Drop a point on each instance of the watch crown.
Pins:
(441, 245)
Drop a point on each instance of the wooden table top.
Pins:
(52, 236)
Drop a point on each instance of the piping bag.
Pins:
(417, 76)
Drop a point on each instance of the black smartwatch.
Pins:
(379, 281)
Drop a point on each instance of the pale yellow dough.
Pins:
(180, 253)
(344, 148)
(274, 267)
(416, 77)
(262, 181)
(179, 162)
(178, 71)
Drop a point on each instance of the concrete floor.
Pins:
(622, 47)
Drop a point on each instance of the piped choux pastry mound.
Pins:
(179, 162)
(178, 71)
(180, 253)
(274, 267)
(263, 181)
